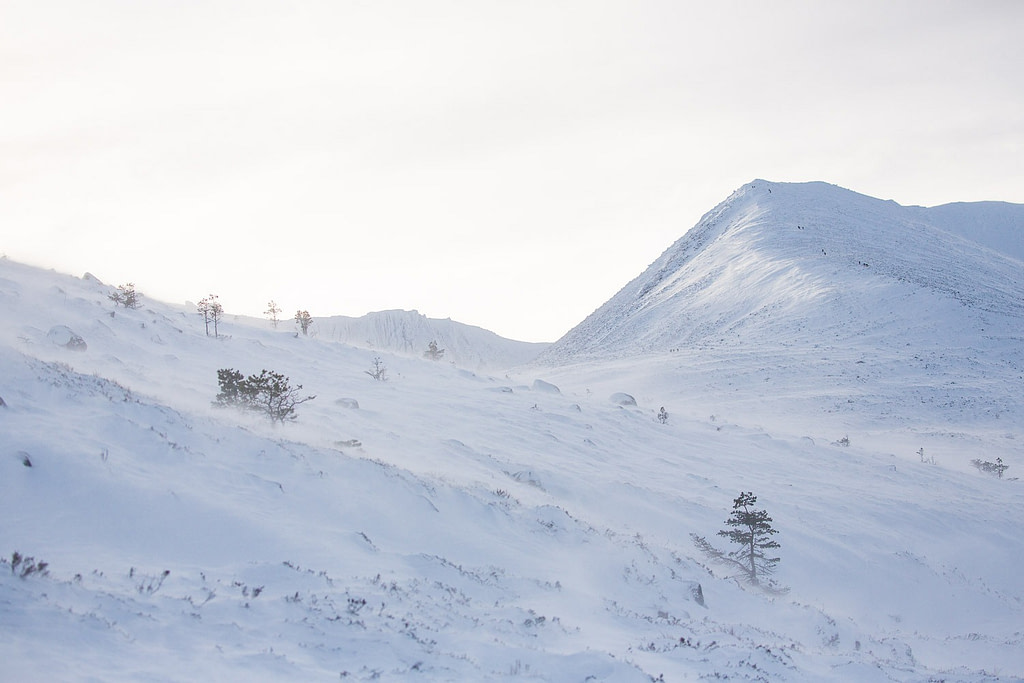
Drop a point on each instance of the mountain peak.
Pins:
(799, 262)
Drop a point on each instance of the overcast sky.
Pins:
(506, 164)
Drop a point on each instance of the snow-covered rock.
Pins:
(620, 398)
(64, 336)
(544, 387)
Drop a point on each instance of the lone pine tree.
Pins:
(432, 352)
(125, 296)
(752, 531)
(304, 321)
(272, 312)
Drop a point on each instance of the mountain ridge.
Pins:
(996, 225)
(410, 333)
(773, 257)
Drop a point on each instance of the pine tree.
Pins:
(212, 312)
(216, 313)
(233, 389)
(752, 532)
(270, 393)
(304, 319)
(379, 371)
(432, 352)
(203, 308)
(272, 311)
(994, 468)
(125, 296)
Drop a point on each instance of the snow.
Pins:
(996, 225)
(450, 524)
(792, 263)
(410, 333)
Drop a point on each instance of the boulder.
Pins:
(62, 335)
(621, 399)
(546, 387)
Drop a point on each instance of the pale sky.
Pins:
(507, 164)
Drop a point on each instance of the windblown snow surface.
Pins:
(410, 332)
(841, 357)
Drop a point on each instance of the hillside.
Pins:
(996, 225)
(449, 525)
(813, 307)
(410, 332)
(811, 263)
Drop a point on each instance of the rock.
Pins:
(62, 335)
(621, 399)
(697, 593)
(546, 387)
(528, 477)
(348, 403)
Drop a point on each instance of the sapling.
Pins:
(752, 532)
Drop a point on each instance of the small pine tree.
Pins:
(379, 371)
(270, 393)
(203, 308)
(25, 567)
(304, 320)
(272, 312)
(125, 296)
(216, 314)
(752, 532)
(432, 352)
(994, 468)
(233, 389)
(663, 415)
(212, 312)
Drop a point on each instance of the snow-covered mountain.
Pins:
(812, 263)
(446, 525)
(410, 333)
(996, 225)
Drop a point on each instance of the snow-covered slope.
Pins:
(812, 263)
(410, 332)
(996, 225)
(456, 526)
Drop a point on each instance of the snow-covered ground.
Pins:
(464, 526)
(410, 332)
